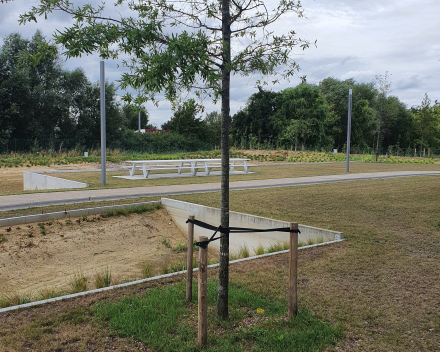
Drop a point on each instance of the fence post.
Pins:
(293, 267)
(189, 260)
(203, 291)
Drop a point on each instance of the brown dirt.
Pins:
(32, 262)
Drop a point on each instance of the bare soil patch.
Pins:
(43, 256)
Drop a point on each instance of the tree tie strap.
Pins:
(227, 231)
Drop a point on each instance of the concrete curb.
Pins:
(74, 295)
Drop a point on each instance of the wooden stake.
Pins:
(293, 267)
(203, 293)
(189, 260)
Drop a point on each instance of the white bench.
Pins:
(192, 164)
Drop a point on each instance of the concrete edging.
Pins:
(68, 214)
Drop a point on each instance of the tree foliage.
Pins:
(40, 100)
(131, 115)
(186, 122)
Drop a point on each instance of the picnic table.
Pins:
(192, 164)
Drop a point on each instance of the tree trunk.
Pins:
(377, 143)
(223, 280)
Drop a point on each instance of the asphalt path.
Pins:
(21, 201)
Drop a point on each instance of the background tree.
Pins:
(180, 61)
(363, 113)
(255, 119)
(427, 124)
(186, 122)
(304, 115)
(213, 122)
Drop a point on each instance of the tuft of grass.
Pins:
(320, 239)
(136, 209)
(165, 269)
(2, 238)
(78, 282)
(177, 267)
(180, 248)
(165, 242)
(14, 299)
(301, 244)
(243, 251)
(47, 293)
(277, 247)
(103, 279)
(310, 241)
(42, 229)
(147, 271)
(259, 250)
(286, 246)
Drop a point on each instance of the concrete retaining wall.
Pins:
(181, 210)
(67, 214)
(34, 181)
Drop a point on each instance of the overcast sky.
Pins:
(359, 39)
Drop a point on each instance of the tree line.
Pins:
(41, 102)
(315, 117)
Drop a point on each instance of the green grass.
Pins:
(162, 312)
(137, 209)
(180, 248)
(42, 229)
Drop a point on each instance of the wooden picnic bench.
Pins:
(192, 164)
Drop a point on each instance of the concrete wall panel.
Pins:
(34, 181)
(181, 210)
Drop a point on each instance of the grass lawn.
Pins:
(381, 285)
(262, 172)
(11, 180)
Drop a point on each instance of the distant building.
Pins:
(151, 131)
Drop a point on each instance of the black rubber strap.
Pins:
(227, 231)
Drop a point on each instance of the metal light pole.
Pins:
(103, 140)
(347, 165)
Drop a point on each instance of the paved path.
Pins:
(43, 199)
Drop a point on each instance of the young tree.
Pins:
(202, 57)
(384, 88)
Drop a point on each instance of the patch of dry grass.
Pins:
(382, 283)
(13, 183)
